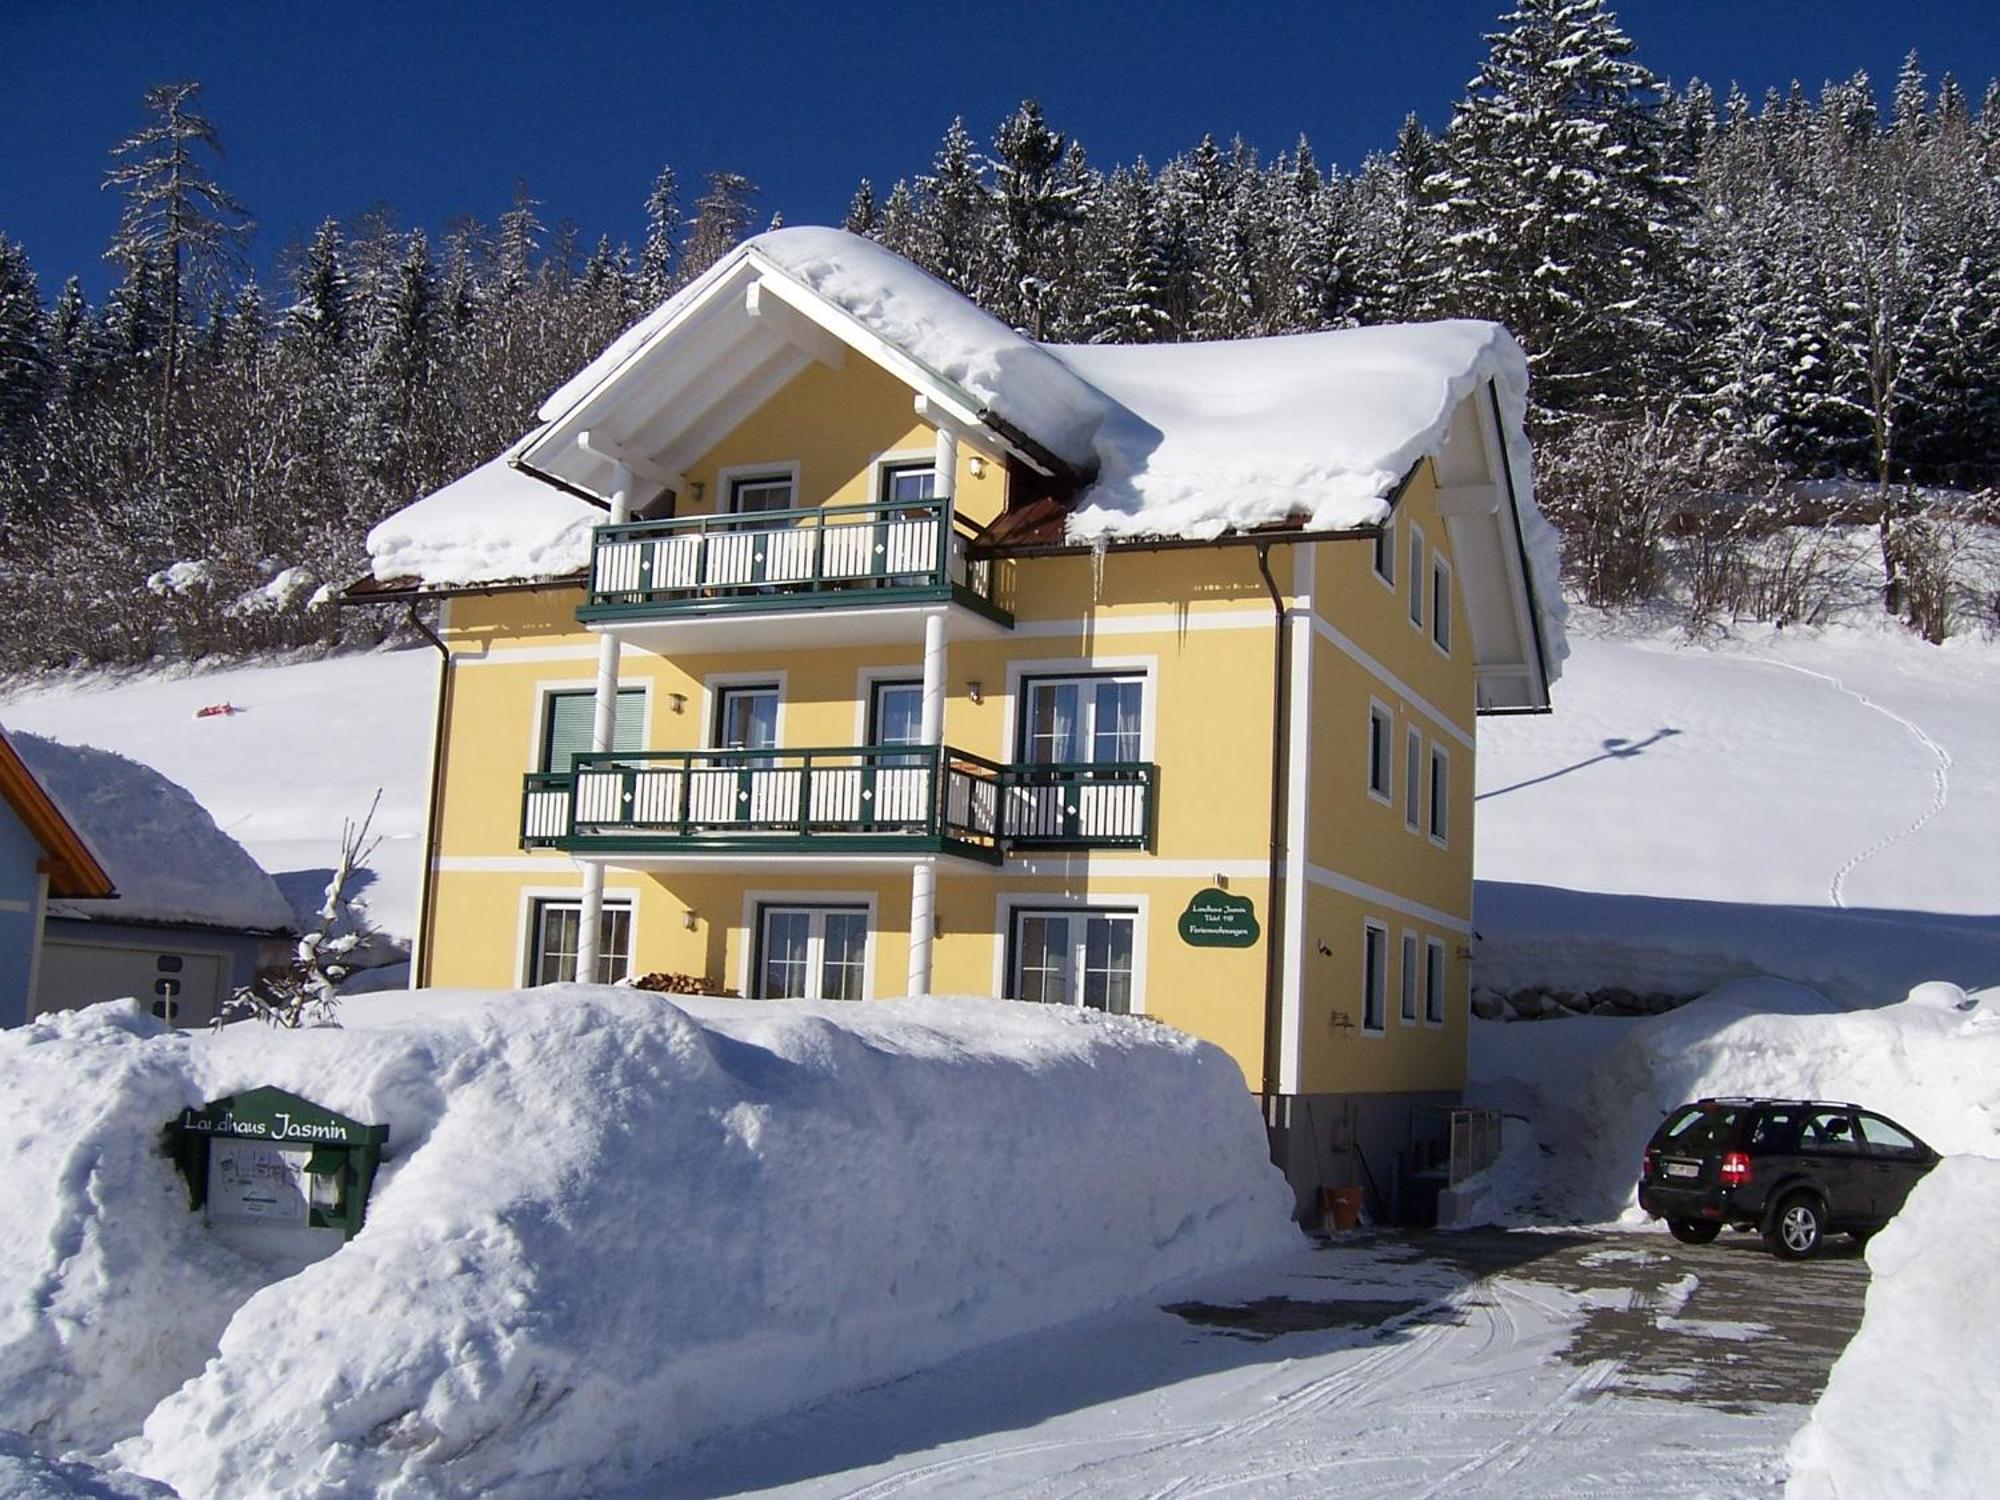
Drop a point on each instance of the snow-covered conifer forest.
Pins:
(1761, 329)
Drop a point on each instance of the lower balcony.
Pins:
(865, 801)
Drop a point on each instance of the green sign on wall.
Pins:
(1216, 919)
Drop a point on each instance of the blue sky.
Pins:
(436, 108)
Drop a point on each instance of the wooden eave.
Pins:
(74, 872)
(373, 590)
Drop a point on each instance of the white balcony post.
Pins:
(923, 878)
(603, 731)
(944, 486)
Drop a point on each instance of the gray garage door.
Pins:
(183, 986)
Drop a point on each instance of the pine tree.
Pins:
(1559, 203)
(25, 365)
(1038, 195)
(1129, 284)
(862, 217)
(318, 316)
(954, 210)
(1400, 264)
(517, 244)
(69, 342)
(659, 258)
(721, 220)
(177, 219)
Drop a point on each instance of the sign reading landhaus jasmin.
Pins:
(1216, 919)
(270, 1157)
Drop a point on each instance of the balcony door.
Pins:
(742, 782)
(1074, 957)
(812, 952)
(759, 552)
(1069, 727)
(896, 787)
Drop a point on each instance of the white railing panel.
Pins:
(618, 568)
(850, 550)
(912, 546)
(730, 558)
(788, 555)
(547, 814)
(712, 797)
(677, 562)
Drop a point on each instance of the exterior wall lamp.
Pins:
(975, 690)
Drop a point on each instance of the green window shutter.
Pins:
(567, 731)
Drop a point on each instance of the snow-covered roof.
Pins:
(169, 861)
(492, 525)
(1187, 441)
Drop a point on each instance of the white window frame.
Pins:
(1441, 604)
(1375, 986)
(1079, 947)
(1136, 906)
(1413, 774)
(534, 898)
(548, 688)
(1019, 672)
(1437, 806)
(1419, 579)
(866, 681)
(755, 900)
(1382, 732)
(816, 913)
(1385, 553)
(727, 479)
(895, 458)
(1434, 975)
(1406, 980)
(711, 698)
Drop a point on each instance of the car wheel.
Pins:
(1693, 1231)
(1796, 1227)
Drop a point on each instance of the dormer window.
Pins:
(908, 484)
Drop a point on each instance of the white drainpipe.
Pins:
(603, 729)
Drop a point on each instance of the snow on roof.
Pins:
(162, 850)
(493, 525)
(922, 318)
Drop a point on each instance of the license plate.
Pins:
(1683, 1169)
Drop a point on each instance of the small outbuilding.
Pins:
(193, 917)
(42, 854)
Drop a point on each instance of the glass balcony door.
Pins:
(1069, 725)
(812, 953)
(743, 787)
(1074, 958)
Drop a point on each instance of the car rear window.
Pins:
(1698, 1129)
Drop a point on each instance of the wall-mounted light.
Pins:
(690, 919)
(977, 463)
(975, 690)
(678, 702)
(1221, 881)
(698, 489)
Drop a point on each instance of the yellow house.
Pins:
(827, 640)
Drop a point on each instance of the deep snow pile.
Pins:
(609, 1224)
(27, 1475)
(1589, 1091)
(492, 524)
(1908, 1408)
(161, 848)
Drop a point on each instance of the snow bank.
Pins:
(26, 1475)
(1593, 1089)
(1908, 1408)
(609, 1224)
(168, 860)
(492, 525)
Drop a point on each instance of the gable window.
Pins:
(1385, 553)
(1441, 604)
(1413, 764)
(760, 492)
(554, 935)
(1073, 956)
(1381, 758)
(908, 484)
(1416, 578)
(1374, 974)
(1409, 979)
(1433, 982)
(1440, 791)
(566, 724)
(812, 952)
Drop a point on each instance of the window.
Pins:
(1831, 1131)
(1409, 978)
(1886, 1139)
(1074, 957)
(896, 713)
(1440, 791)
(1385, 554)
(811, 952)
(1381, 759)
(907, 484)
(1082, 719)
(1413, 764)
(1441, 604)
(746, 718)
(566, 722)
(554, 937)
(1433, 982)
(1374, 975)
(760, 492)
(1416, 578)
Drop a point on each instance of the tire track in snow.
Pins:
(1940, 774)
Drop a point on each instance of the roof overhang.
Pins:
(74, 870)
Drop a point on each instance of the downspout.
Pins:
(420, 971)
(1274, 923)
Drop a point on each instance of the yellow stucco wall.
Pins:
(1198, 623)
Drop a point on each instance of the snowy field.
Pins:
(1815, 804)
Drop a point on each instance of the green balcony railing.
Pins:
(871, 799)
(815, 557)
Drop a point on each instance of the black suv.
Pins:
(1792, 1169)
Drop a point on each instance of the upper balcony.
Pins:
(674, 582)
(904, 800)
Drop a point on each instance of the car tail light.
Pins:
(1647, 1164)
(1735, 1168)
